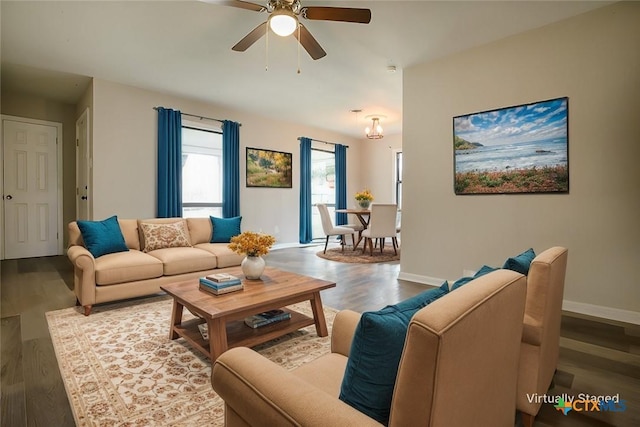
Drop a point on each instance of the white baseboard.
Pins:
(425, 280)
(294, 245)
(602, 312)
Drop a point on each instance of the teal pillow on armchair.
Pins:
(485, 269)
(371, 370)
(520, 263)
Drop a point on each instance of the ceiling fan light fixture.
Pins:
(283, 22)
(375, 131)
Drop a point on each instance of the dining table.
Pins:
(363, 216)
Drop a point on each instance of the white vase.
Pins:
(252, 267)
(364, 204)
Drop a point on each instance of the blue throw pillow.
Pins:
(224, 228)
(102, 237)
(520, 263)
(485, 269)
(461, 282)
(371, 370)
(464, 280)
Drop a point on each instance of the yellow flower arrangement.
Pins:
(252, 244)
(364, 195)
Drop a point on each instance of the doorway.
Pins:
(32, 187)
(83, 168)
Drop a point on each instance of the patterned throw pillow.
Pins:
(160, 236)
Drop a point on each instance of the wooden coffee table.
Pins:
(224, 314)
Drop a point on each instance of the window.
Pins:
(323, 187)
(201, 172)
(399, 179)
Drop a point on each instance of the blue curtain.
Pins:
(169, 197)
(306, 234)
(231, 169)
(341, 183)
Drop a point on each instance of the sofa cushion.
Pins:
(200, 230)
(161, 236)
(225, 256)
(225, 228)
(129, 228)
(102, 237)
(521, 262)
(184, 260)
(128, 266)
(376, 349)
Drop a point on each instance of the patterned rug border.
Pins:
(119, 367)
(357, 257)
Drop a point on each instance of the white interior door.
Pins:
(83, 168)
(30, 189)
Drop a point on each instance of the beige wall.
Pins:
(35, 107)
(594, 59)
(124, 151)
(379, 167)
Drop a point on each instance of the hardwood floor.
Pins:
(597, 356)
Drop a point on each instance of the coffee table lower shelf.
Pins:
(241, 335)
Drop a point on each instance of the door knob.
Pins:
(84, 197)
(9, 197)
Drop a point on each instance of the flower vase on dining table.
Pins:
(364, 199)
(364, 204)
(252, 267)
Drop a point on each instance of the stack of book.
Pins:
(267, 318)
(220, 283)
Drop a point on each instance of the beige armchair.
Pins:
(541, 333)
(458, 368)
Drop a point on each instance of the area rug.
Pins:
(349, 255)
(120, 369)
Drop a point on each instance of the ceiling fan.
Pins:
(284, 21)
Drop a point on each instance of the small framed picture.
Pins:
(268, 168)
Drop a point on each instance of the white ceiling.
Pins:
(51, 48)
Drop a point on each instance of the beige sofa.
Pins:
(135, 273)
(459, 367)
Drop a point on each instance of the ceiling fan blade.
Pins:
(310, 44)
(344, 14)
(238, 3)
(251, 38)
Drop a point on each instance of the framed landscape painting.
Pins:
(521, 149)
(267, 168)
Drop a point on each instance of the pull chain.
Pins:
(266, 56)
(298, 48)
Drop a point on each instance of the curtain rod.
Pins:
(325, 142)
(198, 117)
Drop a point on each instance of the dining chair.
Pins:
(332, 230)
(382, 224)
